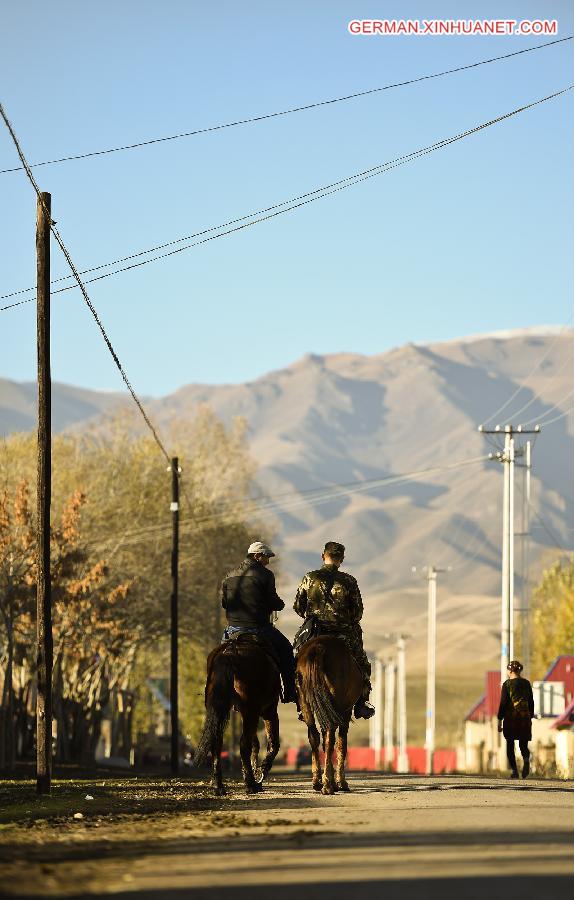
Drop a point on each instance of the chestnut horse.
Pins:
(329, 683)
(242, 675)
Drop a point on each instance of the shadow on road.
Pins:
(328, 841)
(494, 887)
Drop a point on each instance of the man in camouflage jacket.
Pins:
(333, 598)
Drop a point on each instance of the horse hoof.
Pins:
(253, 788)
(220, 791)
(317, 785)
(343, 786)
(260, 776)
(327, 789)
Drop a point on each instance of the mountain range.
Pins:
(383, 453)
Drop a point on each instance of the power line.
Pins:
(534, 369)
(438, 537)
(562, 414)
(295, 202)
(539, 393)
(548, 531)
(89, 303)
(294, 499)
(286, 112)
(546, 528)
(553, 408)
(484, 541)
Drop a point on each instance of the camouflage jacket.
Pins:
(342, 605)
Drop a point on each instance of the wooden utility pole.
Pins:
(173, 685)
(44, 491)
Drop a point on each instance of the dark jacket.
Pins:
(248, 594)
(516, 709)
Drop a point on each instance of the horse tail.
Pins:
(317, 692)
(218, 699)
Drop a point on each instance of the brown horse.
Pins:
(329, 683)
(242, 675)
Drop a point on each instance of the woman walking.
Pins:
(515, 715)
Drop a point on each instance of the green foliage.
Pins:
(553, 615)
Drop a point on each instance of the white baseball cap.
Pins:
(260, 547)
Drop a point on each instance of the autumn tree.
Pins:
(553, 615)
(111, 552)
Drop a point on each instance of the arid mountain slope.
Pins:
(352, 420)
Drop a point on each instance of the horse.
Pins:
(329, 683)
(240, 674)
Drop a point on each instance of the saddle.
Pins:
(246, 639)
(313, 627)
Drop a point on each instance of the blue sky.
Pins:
(473, 238)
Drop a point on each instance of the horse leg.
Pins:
(272, 731)
(255, 747)
(245, 748)
(329, 786)
(342, 784)
(314, 739)
(217, 779)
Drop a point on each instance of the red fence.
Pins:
(363, 758)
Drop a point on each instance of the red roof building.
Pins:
(562, 669)
(487, 706)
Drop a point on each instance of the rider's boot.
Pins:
(363, 709)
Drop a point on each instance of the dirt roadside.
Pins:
(443, 834)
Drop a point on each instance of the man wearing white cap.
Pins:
(249, 598)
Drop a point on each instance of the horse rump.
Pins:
(218, 700)
(316, 690)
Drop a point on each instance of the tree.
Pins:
(88, 624)
(111, 541)
(553, 615)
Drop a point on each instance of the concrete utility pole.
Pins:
(507, 457)
(389, 713)
(44, 638)
(431, 575)
(524, 608)
(402, 760)
(377, 720)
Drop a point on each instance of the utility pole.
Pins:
(376, 722)
(44, 496)
(507, 457)
(173, 684)
(402, 760)
(524, 608)
(525, 619)
(389, 713)
(431, 575)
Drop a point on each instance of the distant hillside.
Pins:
(346, 418)
(70, 405)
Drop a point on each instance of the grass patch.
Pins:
(111, 797)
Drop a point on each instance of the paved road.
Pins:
(392, 837)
